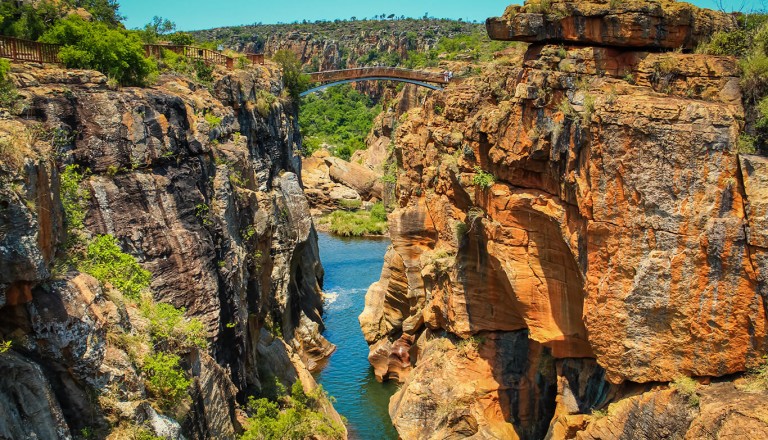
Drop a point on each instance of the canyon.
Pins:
(575, 233)
(578, 241)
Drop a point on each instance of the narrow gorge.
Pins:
(570, 236)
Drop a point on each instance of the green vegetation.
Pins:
(686, 387)
(756, 380)
(294, 79)
(73, 197)
(212, 120)
(170, 330)
(295, 417)
(8, 94)
(473, 47)
(750, 44)
(339, 116)
(166, 381)
(5, 346)
(110, 265)
(264, 102)
(357, 223)
(483, 179)
(347, 32)
(93, 45)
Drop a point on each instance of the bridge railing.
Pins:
(366, 72)
(28, 51)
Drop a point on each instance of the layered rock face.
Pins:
(651, 24)
(205, 192)
(572, 225)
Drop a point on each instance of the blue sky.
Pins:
(201, 14)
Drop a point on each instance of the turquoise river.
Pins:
(351, 265)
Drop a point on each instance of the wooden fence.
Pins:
(34, 52)
(28, 51)
(198, 53)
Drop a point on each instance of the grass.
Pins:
(686, 387)
(757, 378)
(358, 223)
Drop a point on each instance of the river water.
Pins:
(351, 265)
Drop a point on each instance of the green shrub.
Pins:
(483, 179)
(117, 53)
(170, 329)
(757, 378)
(746, 144)
(165, 379)
(735, 43)
(379, 212)
(175, 62)
(181, 39)
(203, 71)
(294, 80)
(297, 417)
(109, 264)
(5, 68)
(264, 102)
(73, 197)
(9, 96)
(212, 120)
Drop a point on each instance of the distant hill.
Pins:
(344, 43)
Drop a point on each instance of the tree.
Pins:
(117, 53)
(156, 28)
(294, 80)
(105, 11)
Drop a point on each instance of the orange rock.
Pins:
(635, 23)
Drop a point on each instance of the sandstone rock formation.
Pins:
(665, 24)
(205, 192)
(589, 197)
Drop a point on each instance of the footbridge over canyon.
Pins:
(431, 80)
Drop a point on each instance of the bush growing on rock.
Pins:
(295, 417)
(109, 264)
(294, 79)
(165, 378)
(170, 329)
(117, 53)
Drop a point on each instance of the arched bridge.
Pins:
(431, 80)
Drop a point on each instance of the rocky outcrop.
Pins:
(649, 24)
(205, 192)
(591, 198)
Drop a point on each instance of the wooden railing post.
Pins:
(13, 49)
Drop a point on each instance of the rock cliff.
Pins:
(575, 229)
(204, 191)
